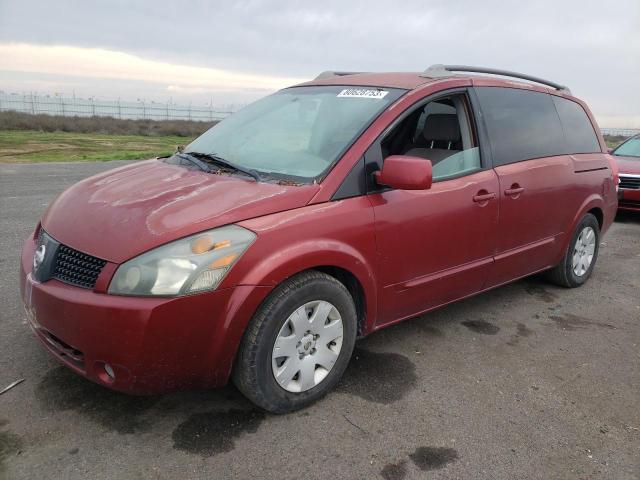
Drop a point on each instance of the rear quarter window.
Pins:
(578, 130)
(521, 124)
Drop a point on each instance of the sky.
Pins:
(234, 52)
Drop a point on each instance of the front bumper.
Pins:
(153, 345)
(629, 200)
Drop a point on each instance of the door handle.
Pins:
(514, 190)
(483, 197)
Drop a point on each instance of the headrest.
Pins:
(442, 127)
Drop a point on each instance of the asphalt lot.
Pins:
(526, 381)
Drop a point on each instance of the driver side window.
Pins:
(440, 131)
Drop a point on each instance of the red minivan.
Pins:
(313, 217)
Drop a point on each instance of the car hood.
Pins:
(628, 164)
(123, 212)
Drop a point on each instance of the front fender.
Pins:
(294, 258)
(298, 257)
(334, 234)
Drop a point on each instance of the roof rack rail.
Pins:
(329, 74)
(445, 70)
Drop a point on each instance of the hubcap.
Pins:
(583, 251)
(307, 346)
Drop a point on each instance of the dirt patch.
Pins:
(430, 329)
(522, 331)
(540, 292)
(10, 444)
(394, 471)
(571, 322)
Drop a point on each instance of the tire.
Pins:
(290, 310)
(566, 273)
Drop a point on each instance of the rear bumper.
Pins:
(629, 200)
(153, 345)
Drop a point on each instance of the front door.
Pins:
(435, 245)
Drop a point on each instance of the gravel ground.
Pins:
(525, 381)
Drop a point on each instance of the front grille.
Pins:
(631, 183)
(629, 203)
(77, 268)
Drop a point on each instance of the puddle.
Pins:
(62, 390)
(433, 458)
(480, 326)
(215, 432)
(378, 377)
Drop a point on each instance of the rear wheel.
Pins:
(298, 343)
(581, 255)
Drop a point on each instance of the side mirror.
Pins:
(405, 173)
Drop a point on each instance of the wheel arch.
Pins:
(599, 214)
(340, 260)
(351, 282)
(593, 204)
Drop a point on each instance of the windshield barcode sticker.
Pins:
(362, 93)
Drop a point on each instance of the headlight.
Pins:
(189, 265)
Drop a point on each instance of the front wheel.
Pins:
(298, 343)
(581, 255)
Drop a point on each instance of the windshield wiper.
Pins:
(195, 161)
(213, 158)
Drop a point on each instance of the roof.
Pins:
(412, 80)
(406, 80)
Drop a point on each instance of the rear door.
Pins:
(536, 177)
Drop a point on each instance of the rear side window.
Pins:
(578, 130)
(521, 124)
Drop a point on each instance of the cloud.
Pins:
(108, 64)
(588, 45)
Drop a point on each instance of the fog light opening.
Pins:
(105, 372)
(109, 370)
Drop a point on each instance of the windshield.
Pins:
(630, 148)
(298, 132)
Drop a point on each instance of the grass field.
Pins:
(24, 146)
(30, 146)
